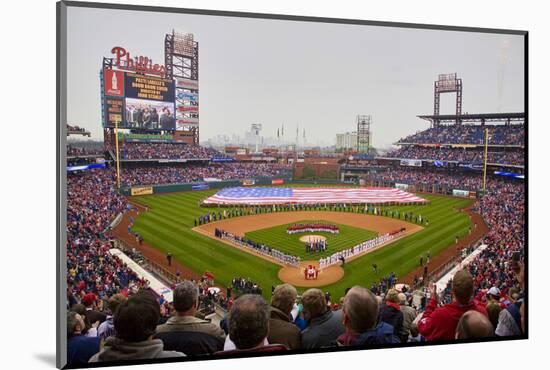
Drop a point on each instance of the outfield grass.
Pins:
(277, 237)
(167, 225)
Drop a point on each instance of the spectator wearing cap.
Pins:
(440, 323)
(474, 324)
(390, 312)
(186, 304)
(135, 323)
(323, 326)
(409, 314)
(107, 327)
(493, 295)
(89, 302)
(80, 348)
(359, 315)
(281, 328)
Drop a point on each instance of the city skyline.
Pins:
(315, 75)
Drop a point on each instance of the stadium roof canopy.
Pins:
(480, 118)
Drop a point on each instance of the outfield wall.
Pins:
(173, 188)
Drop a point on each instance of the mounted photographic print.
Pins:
(237, 184)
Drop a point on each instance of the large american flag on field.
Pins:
(269, 196)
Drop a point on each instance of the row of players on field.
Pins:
(338, 257)
(363, 209)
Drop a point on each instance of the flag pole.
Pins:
(485, 160)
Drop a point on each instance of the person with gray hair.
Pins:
(360, 316)
(281, 328)
(186, 304)
(409, 314)
(248, 322)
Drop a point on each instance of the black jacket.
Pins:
(192, 343)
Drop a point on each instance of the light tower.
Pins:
(448, 83)
(363, 133)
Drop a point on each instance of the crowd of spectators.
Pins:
(476, 156)
(242, 286)
(197, 173)
(469, 134)
(137, 329)
(135, 150)
(114, 316)
(464, 181)
(93, 274)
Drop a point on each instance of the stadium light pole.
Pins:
(117, 155)
(485, 160)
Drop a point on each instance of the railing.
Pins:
(444, 268)
(158, 270)
(151, 266)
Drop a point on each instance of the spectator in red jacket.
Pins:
(440, 323)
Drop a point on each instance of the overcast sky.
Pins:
(317, 75)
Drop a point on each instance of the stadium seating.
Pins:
(93, 203)
(469, 134)
(132, 150)
(196, 173)
(461, 155)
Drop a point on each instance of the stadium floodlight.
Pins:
(448, 83)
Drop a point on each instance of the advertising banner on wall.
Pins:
(404, 187)
(277, 182)
(203, 186)
(141, 190)
(187, 84)
(186, 122)
(184, 95)
(188, 108)
(461, 193)
(248, 182)
(411, 162)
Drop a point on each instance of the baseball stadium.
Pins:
(437, 223)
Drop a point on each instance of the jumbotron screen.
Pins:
(136, 101)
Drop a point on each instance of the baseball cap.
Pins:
(494, 291)
(89, 298)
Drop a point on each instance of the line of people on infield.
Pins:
(356, 250)
(258, 247)
(312, 228)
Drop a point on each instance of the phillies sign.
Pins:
(123, 60)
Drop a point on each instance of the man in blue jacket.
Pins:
(79, 347)
(360, 316)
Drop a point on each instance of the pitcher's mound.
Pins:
(295, 275)
(312, 238)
